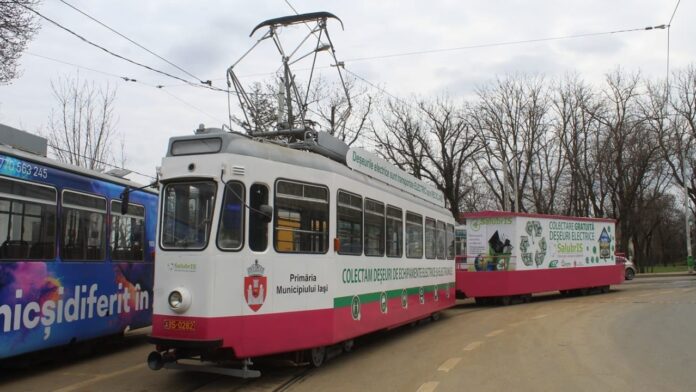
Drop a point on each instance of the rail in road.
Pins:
(637, 337)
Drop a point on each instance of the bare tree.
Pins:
(632, 158)
(614, 151)
(81, 129)
(670, 112)
(439, 147)
(17, 27)
(576, 125)
(449, 145)
(547, 168)
(401, 140)
(332, 101)
(262, 108)
(510, 117)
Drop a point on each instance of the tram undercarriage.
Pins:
(222, 361)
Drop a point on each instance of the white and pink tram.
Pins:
(265, 249)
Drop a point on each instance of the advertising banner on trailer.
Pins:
(536, 242)
(516, 254)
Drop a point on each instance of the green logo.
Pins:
(553, 264)
(475, 225)
(404, 299)
(383, 302)
(355, 307)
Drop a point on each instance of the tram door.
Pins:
(258, 222)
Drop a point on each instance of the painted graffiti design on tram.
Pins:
(42, 302)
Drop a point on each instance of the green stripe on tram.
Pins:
(340, 302)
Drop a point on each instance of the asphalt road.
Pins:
(639, 337)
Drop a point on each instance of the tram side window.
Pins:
(231, 229)
(349, 223)
(187, 213)
(127, 232)
(258, 223)
(374, 228)
(27, 221)
(302, 217)
(395, 232)
(441, 240)
(414, 235)
(430, 238)
(84, 227)
(450, 241)
(460, 242)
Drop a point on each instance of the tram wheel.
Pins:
(506, 300)
(605, 289)
(435, 316)
(318, 356)
(348, 345)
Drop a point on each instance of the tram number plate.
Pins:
(180, 325)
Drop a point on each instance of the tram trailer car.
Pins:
(515, 255)
(72, 267)
(265, 249)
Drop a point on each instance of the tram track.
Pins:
(294, 380)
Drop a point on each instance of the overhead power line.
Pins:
(118, 55)
(673, 13)
(208, 82)
(128, 79)
(77, 66)
(503, 43)
(669, 26)
(98, 161)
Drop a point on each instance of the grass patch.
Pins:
(669, 268)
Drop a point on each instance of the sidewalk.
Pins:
(664, 274)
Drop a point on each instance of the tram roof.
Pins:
(236, 143)
(5, 149)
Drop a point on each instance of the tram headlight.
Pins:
(175, 299)
(179, 300)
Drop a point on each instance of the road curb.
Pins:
(664, 274)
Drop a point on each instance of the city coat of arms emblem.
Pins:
(255, 286)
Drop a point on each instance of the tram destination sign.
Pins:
(376, 167)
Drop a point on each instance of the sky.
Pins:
(205, 37)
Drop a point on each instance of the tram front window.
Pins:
(187, 213)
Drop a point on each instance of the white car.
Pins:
(629, 268)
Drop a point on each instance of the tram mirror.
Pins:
(125, 198)
(267, 212)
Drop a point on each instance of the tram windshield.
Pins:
(187, 214)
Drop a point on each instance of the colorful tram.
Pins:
(72, 266)
(265, 249)
(511, 256)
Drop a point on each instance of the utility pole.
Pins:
(516, 174)
(689, 256)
